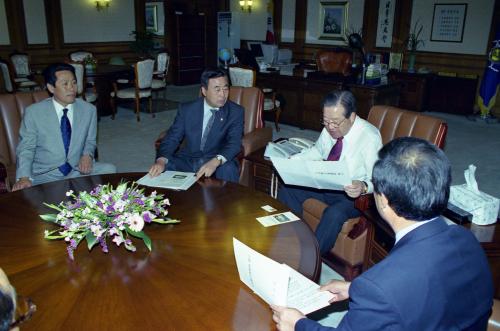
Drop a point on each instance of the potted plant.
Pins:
(412, 43)
(143, 45)
(90, 64)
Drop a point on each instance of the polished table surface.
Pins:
(188, 282)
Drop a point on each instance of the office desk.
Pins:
(301, 97)
(188, 282)
(380, 240)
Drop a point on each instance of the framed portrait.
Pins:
(151, 17)
(332, 19)
(448, 22)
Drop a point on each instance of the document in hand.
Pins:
(331, 175)
(277, 283)
(174, 180)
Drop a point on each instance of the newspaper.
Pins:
(174, 180)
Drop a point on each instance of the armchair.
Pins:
(160, 74)
(348, 253)
(23, 76)
(87, 94)
(79, 55)
(334, 62)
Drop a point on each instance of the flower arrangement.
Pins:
(105, 212)
(90, 61)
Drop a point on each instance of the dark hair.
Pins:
(344, 98)
(210, 73)
(50, 72)
(6, 311)
(414, 176)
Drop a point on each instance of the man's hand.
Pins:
(338, 288)
(285, 318)
(208, 168)
(22, 183)
(355, 189)
(85, 164)
(157, 168)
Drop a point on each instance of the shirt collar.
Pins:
(400, 234)
(60, 107)
(207, 107)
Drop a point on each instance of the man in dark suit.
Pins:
(435, 278)
(211, 128)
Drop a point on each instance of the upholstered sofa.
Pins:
(12, 107)
(348, 253)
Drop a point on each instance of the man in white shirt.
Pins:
(345, 137)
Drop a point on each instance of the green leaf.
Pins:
(50, 205)
(141, 235)
(167, 221)
(49, 217)
(91, 240)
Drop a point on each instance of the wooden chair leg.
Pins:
(151, 106)
(277, 118)
(113, 107)
(138, 108)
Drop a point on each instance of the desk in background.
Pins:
(301, 97)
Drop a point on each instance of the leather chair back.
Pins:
(12, 108)
(394, 122)
(252, 99)
(334, 62)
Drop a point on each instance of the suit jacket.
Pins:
(224, 137)
(435, 278)
(41, 148)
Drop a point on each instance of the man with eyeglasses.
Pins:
(345, 137)
(211, 128)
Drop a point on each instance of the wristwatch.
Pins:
(365, 187)
(220, 158)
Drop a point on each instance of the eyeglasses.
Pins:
(24, 310)
(332, 123)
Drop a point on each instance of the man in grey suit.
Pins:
(57, 137)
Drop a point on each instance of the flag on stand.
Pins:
(491, 78)
(270, 28)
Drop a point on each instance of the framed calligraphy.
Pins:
(448, 22)
(385, 23)
(332, 20)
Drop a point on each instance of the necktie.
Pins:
(210, 123)
(336, 150)
(65, 169)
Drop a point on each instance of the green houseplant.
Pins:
(412, 43)
(143, 45)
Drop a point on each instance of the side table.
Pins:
(380, 240)
(263, 177)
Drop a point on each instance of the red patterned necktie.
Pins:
(336, 150)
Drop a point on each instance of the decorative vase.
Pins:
(89, 68)
(411, 62)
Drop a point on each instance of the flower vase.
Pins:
(89, 69)
(411, 62)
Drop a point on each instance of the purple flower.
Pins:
(73, 243)
(147, 216)
(99, 204)
(103, 244)
(110, 209)
(70, 253)
(139, 202)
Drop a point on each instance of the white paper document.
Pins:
(276, 219)
(174, 180)
(277, 283)
(331, 175)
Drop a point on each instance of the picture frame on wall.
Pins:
(385, 23)
(151, 18)
(448, 22)
(332, 19)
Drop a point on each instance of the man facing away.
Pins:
(345, 137)
(7, 303)
(436, 277)
(211, 128)
(57, 137)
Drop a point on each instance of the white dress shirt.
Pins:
(400, 234)
(359, 150)
(59, 111)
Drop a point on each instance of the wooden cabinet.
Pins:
(413, 95)
(368, 96)
(263, 177)
(452, 94)
(189, 48)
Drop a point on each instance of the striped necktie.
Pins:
(210, 123)
(65, 169)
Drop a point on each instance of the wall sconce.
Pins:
(102, 4)
(248, 4)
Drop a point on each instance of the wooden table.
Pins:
(380, 240)
(188, 282)
(103, 77)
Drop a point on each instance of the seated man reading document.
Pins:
(211, 127)
(57, 137)
(346, 137)
(435, 278)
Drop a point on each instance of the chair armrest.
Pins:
(364, 202)
(4, 180)
(256, 139)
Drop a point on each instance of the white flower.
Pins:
(153, 194)
(166, 202)
(69, 193)
(86, 211)
(120, 205)
(118, 240)
(136, 222)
